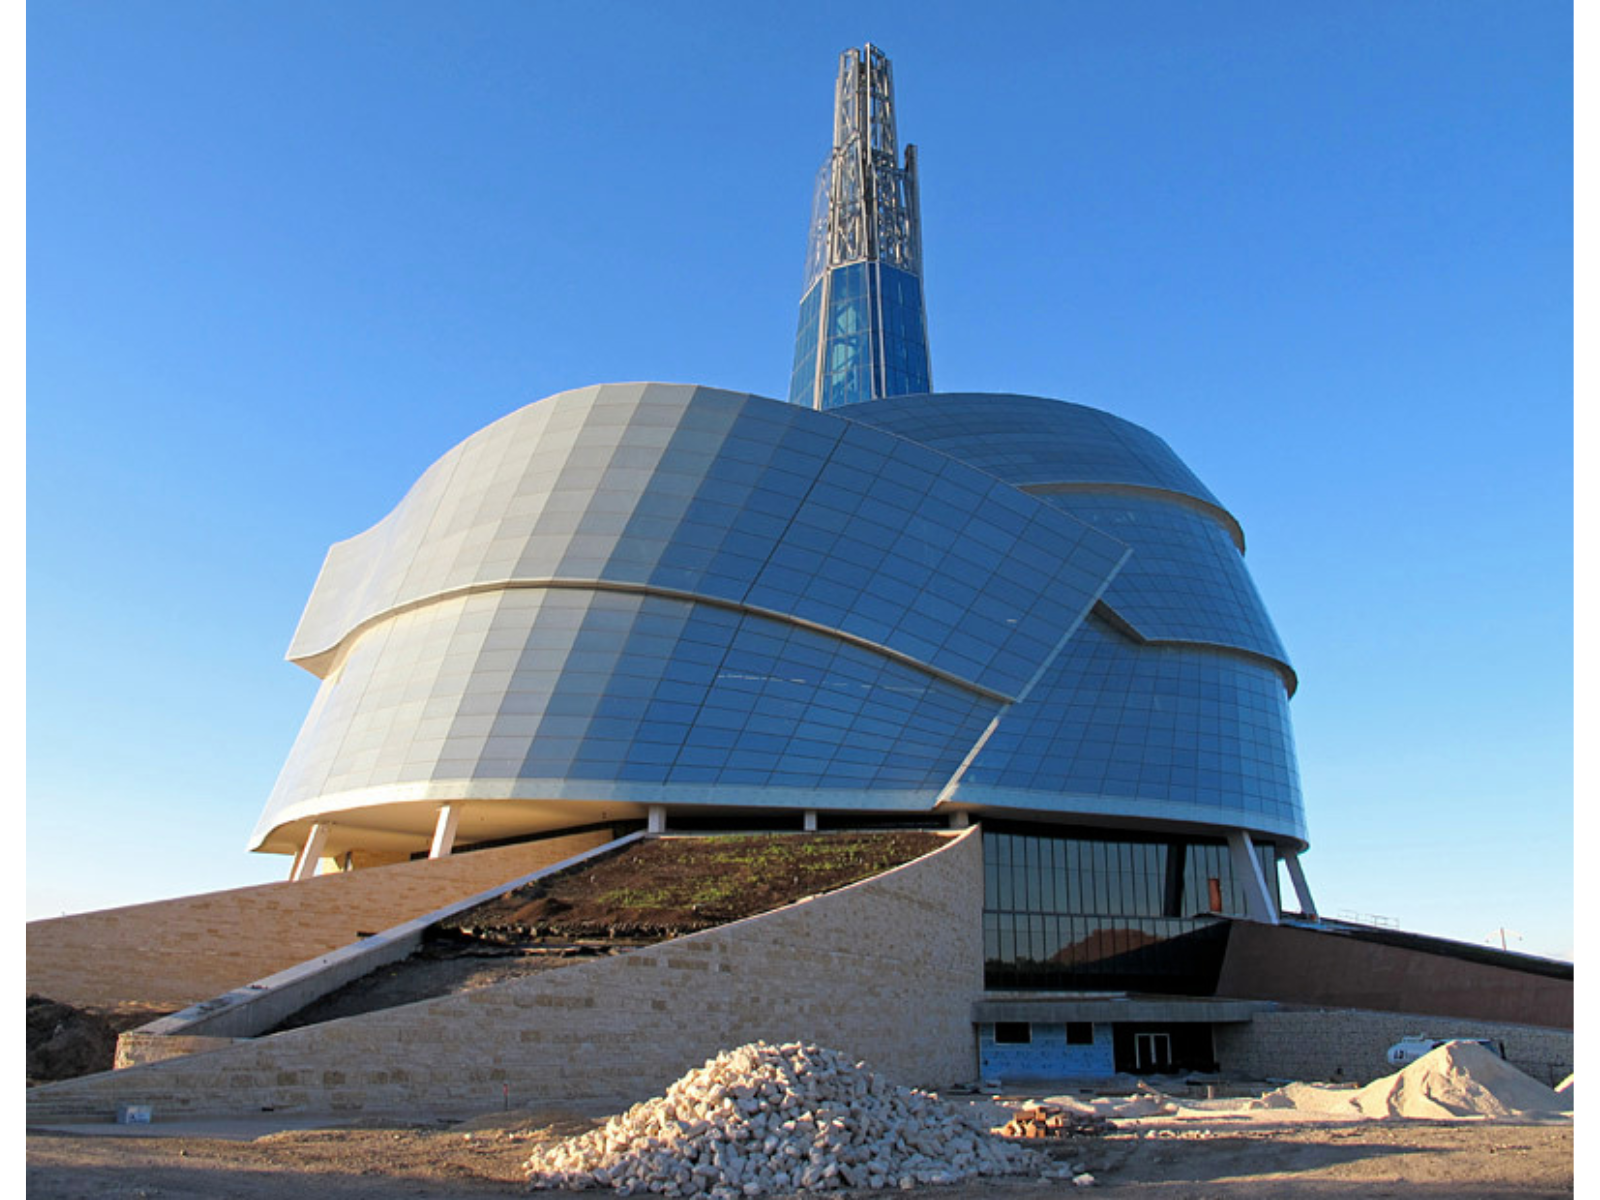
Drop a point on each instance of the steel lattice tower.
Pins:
(863, 330)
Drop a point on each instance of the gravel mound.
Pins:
(762, 1119)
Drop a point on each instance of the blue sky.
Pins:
(281, 256)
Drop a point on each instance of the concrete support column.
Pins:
(1247, 870)
(809, 821)
(444, 832)
(1302, 890)
(656, 821)
(305, 863)
(959, 820)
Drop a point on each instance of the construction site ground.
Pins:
(1259, 1157)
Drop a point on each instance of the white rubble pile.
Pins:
(763, 1119)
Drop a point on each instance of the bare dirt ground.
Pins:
(1220, 1160)
(666, 888)
(65, 1042)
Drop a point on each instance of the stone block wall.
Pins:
(1349, 1044)
(178, 952)
(886, 969)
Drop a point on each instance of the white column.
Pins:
(1302, 890)
(444, 832)
(1247, 870)
(959, 820)
(657, 819)
(305, 863)
(809, 823)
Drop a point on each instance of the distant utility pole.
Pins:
(1501, 933)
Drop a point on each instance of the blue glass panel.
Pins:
(1101, 723)
(784, 702)
(802, 382)
(1030, 440)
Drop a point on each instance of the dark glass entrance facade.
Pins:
(1069, 909)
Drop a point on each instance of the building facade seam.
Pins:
(1216, 512)
(329, 659)
(948, 791)
(1291, 681)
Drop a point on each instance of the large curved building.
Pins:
(678, 605)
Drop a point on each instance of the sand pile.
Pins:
(1309, 1098)
(1146, 1103)
(1458, 1080)
(763, 1119)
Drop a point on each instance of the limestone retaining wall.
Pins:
(886, 969)
(179, 952)
(1350, 1044)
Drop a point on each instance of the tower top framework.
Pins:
(863, 330)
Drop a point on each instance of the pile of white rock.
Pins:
(766, 1119)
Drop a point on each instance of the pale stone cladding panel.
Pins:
(1350, 1044)
(886, 969)
(178, 952)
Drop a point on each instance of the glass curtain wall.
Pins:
(866, 321)
(1065, 910)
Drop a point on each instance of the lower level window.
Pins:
(1013, 1033)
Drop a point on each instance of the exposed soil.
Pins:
(642, 894)
(65, 1042)
(671, 886)
(1298, 1161)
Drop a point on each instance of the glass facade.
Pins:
(902, 350)
(665, 594)
(1162, 730)
(871, 602)
(581, 687)
(1067, 909)
(862, 332)
(1030, 441)
(866, 322)
(1186, 582)
(803, 377)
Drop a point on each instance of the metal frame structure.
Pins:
(865, 210)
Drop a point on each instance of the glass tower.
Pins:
(862, 334)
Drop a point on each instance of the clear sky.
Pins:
(281, 256)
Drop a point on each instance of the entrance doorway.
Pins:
(1152, 1052)
(1163, 1048)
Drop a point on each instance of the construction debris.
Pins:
(765, 1119)
(1054, 1121)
